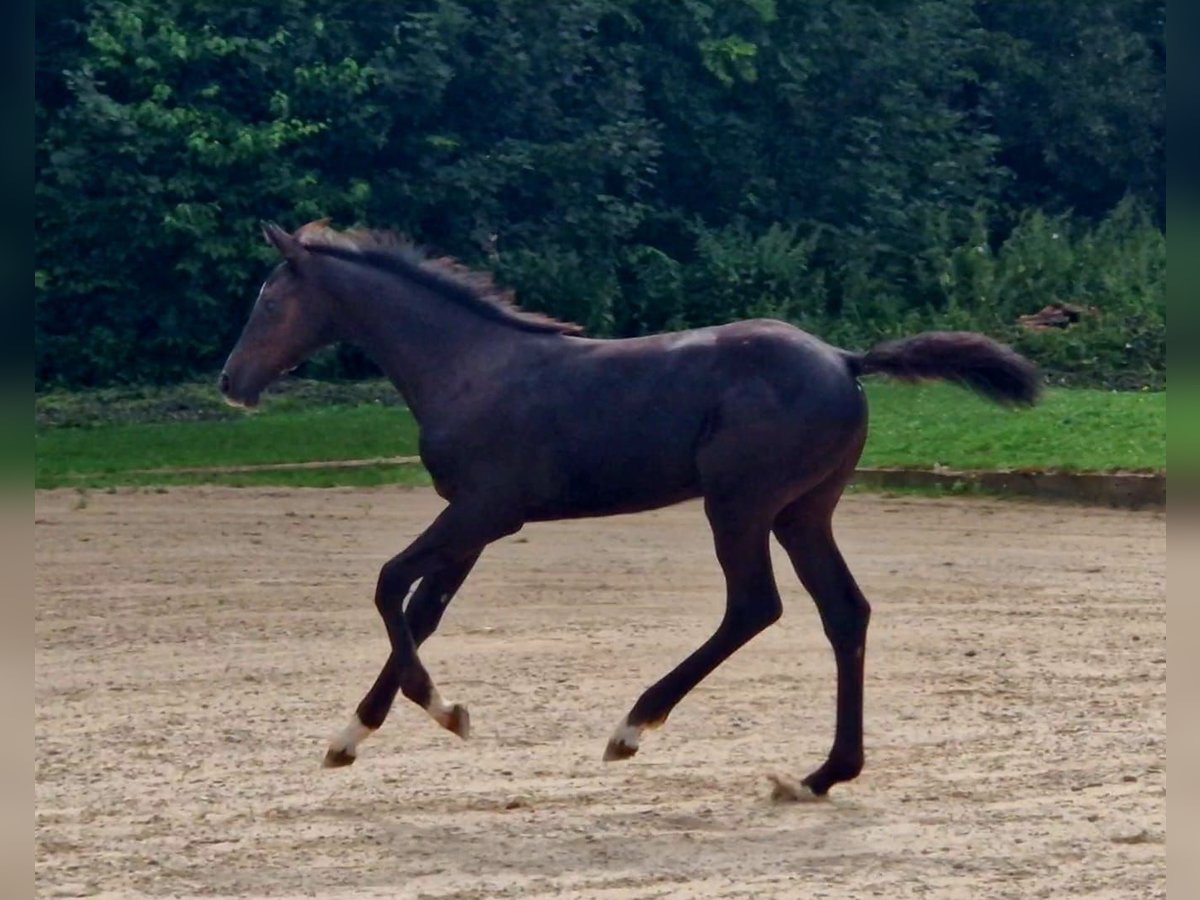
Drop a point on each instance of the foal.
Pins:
(763, 421)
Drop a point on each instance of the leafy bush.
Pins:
(861, 168)
(1115, 271)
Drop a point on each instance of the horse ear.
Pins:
(291, 249)
(314, 229)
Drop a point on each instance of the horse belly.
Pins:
(613, 479)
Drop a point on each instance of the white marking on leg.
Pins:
(451, 716)
(347, 740)
(438, 708)
(627, 735)
(787, 791)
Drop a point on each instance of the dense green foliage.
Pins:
(861, 167)
(101, 439)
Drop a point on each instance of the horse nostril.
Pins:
(223, 383)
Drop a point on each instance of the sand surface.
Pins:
(196, 649)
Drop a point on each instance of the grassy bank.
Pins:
(1070, 430)
(127, 438)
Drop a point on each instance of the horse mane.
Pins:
(390, 252)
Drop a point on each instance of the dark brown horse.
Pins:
(523, 419)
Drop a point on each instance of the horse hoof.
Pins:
(787, 791)
(337, 758)
(459, 721)
(618, 749)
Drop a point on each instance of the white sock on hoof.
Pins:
(347, 740)
(438, 709)
(444, 714)
(787, 791)
(626, 736)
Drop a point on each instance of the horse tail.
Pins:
(972, 360)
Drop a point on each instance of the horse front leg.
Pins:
(433, 594)
(441, 557)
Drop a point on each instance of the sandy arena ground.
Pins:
(197, 648)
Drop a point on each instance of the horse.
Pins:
(523, 418)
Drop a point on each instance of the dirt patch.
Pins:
(197, 648)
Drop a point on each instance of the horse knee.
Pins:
(393, 584)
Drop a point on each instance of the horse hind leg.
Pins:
(804, 530)
(752, 604)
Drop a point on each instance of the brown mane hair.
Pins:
(445, 276)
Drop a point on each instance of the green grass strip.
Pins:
(1069, 431)
(108, 455)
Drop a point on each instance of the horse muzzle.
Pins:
(234, 397)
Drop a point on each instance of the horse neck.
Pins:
(426, 345)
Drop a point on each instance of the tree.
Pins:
(634, 165)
